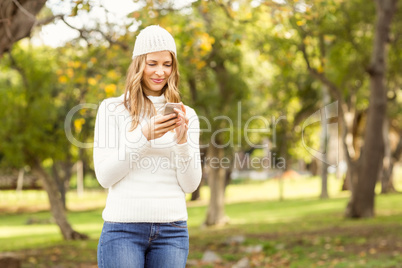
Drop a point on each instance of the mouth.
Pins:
(157, 81)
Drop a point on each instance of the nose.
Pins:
(159, 71)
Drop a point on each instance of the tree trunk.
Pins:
(17, 20)
(20, 180)
(56, 204)
(80, 177)
(324, 145)
(387, 185)
(62, 172)
(216, 182)
(350, 135)
(58, 179)
(196, 195)
(350, 180)
(388, 165)
(362, 201)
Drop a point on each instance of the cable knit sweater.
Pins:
(147, 180)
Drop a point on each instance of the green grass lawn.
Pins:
(300, 231)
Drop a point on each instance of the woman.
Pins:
(147, 160)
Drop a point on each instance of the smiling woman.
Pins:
(145, 214)
(157, 70)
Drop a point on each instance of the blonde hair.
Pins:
(135, 99)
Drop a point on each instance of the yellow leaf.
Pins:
(80, 79)
(112, 74)
(300, 23)
(110, 89)
(70, 72)
(76, 64)
(200, 64)
(320, 69)
(93, 60)
(92, 81)
(63, 79)
(78, 124)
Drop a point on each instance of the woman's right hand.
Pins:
(159, 125)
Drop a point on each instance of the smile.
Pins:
(157, 81)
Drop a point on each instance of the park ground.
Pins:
(299, 231)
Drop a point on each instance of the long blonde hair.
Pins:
(135, 99)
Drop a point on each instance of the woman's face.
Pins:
(158, 67)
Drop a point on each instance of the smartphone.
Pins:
(169, 108)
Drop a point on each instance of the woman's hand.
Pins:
(181, 130)
(159, 125)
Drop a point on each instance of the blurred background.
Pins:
(299, 102)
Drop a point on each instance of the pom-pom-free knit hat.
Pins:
(152, 39)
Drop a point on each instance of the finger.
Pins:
(170, 128)
(183, 108)
(167, 129)
(182, 115)
(179, 111)
(168, 123)
(184, 119)
(164, 118)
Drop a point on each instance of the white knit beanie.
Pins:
(152, 39)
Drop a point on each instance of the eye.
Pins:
(151, 64)
(168, 65)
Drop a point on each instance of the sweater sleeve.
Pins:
(111, 156)
(188, 156)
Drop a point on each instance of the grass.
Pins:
(300, 231)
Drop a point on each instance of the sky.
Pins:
(56, 34)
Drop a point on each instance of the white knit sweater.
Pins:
(147, 180)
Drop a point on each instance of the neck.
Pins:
(151, 92)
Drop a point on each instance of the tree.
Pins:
(322, 55)
(33, 127)
(362, 200)
(38, 87)
(17, 18)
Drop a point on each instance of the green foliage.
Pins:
(31, 120)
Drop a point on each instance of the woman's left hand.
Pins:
(181, 131)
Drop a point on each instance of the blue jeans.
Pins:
(137, 245)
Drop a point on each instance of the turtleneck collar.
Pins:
(157, 99)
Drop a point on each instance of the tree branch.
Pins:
(48, 20)
(226, 9)
(23, 10)
(84, 33)
(335, 92)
